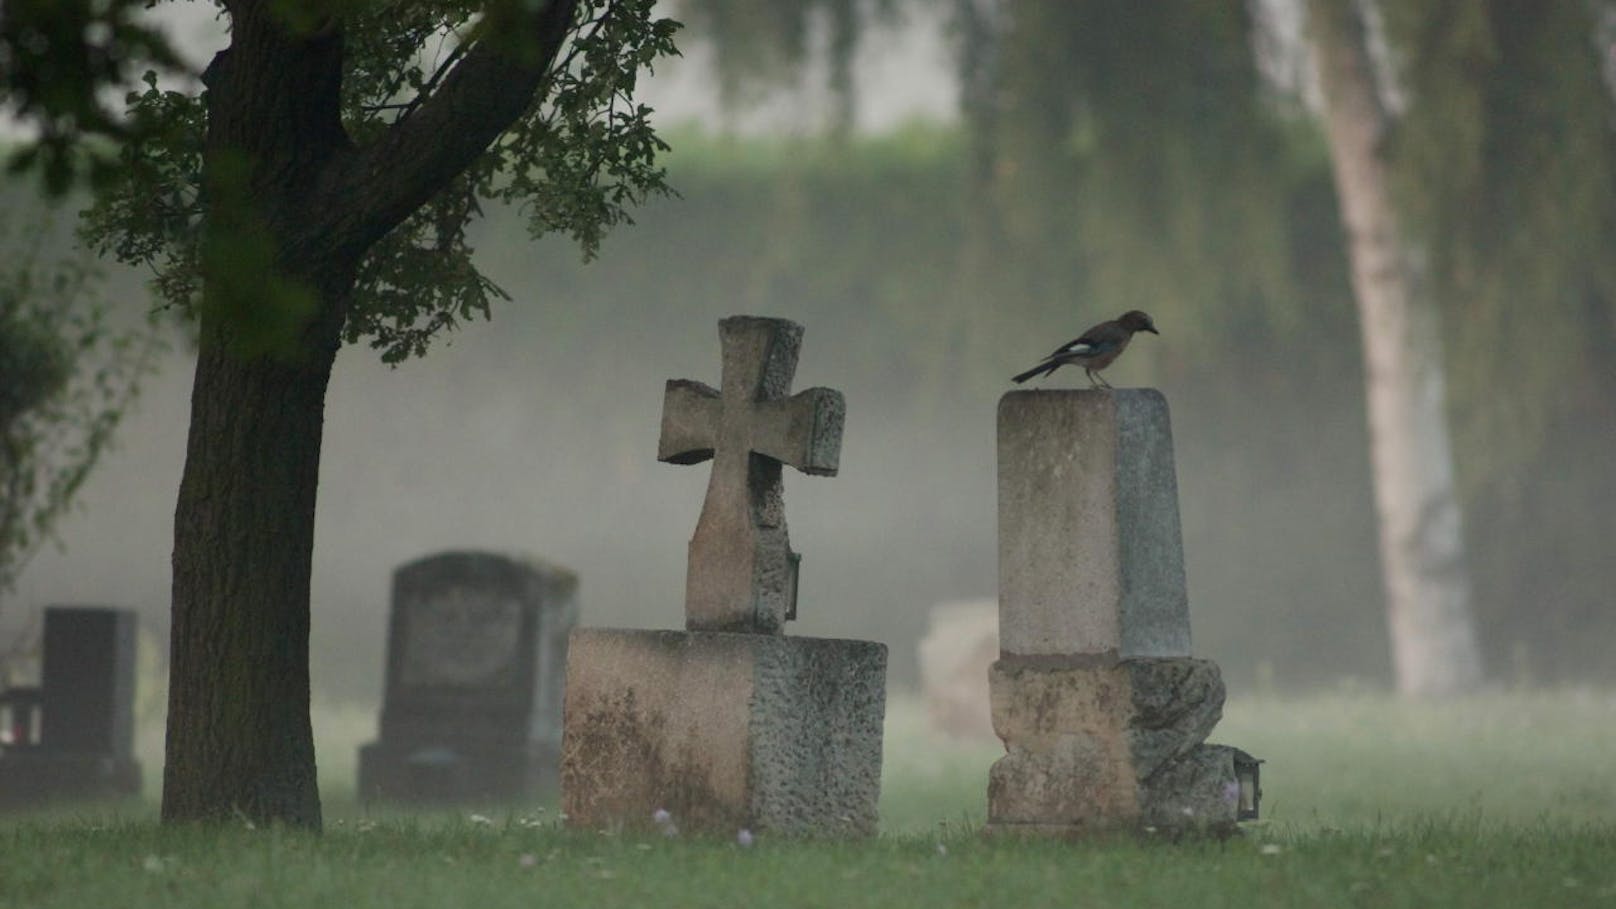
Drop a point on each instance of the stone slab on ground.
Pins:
(723, 731)
(960, 644)
(1091, 556)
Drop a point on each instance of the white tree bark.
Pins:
(1433, 635)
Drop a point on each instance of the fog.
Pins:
(536, 434)
(484, 447)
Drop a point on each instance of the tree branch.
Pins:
(377, 186)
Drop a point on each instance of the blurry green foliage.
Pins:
(57, 59)
(67, 376)
(1506, 165)
(763, 44)
(581, 156)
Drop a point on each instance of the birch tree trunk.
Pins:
(1433, 635)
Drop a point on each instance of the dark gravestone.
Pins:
(73, 736)
(476, 657)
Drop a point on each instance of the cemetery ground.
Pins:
(1504, 799)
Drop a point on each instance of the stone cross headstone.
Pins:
(476, 660)
(85, 706)
(1101, 707)
(742, 574)
(731, 725)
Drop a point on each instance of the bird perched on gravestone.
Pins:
(1094, 349)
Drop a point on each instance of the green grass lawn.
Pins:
(1503, 800)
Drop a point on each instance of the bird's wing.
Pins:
(1092, 343)
(1075, 346)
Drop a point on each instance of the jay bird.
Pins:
(1094, 349)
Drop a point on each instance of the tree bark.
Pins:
(1433, 637)
(292, 207)
(239, 741)
(239, 737)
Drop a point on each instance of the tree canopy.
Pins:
(576, 160)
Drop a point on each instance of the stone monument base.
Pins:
(1096, 745)
(33, 777)
(723, 732)
(456, 771)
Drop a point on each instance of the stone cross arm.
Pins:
(804, 430)
(743, 574)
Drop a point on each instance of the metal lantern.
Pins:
(1248, 772)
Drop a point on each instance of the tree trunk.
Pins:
(292, 207)
(239, 736)
(1433, 636)
(239, 740)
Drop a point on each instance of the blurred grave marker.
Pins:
(476, 657)
(72, 736)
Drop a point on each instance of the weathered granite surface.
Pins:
(1091, 556)
(742, 573)
(1102, 711)
(723, 731)
(1095, 745)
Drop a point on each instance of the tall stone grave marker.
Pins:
(476, 657)
(729, 724)
(1101, 707)
(73, 736)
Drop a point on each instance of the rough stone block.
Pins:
(723, 731)
(1198, 791)
(1090, 551)
(1094, 745)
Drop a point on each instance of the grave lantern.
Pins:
(1248, 771)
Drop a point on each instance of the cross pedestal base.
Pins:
(724, 732)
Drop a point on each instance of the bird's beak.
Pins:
(1152, 329)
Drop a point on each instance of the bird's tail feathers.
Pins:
(1044, 368)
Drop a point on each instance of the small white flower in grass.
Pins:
(481, 820)
(663, 818)
(156, 864)
(942, 849)
(743, 839)
(1270, 849)
(527, 860)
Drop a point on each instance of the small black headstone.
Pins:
(476, 657)
(85, 709)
